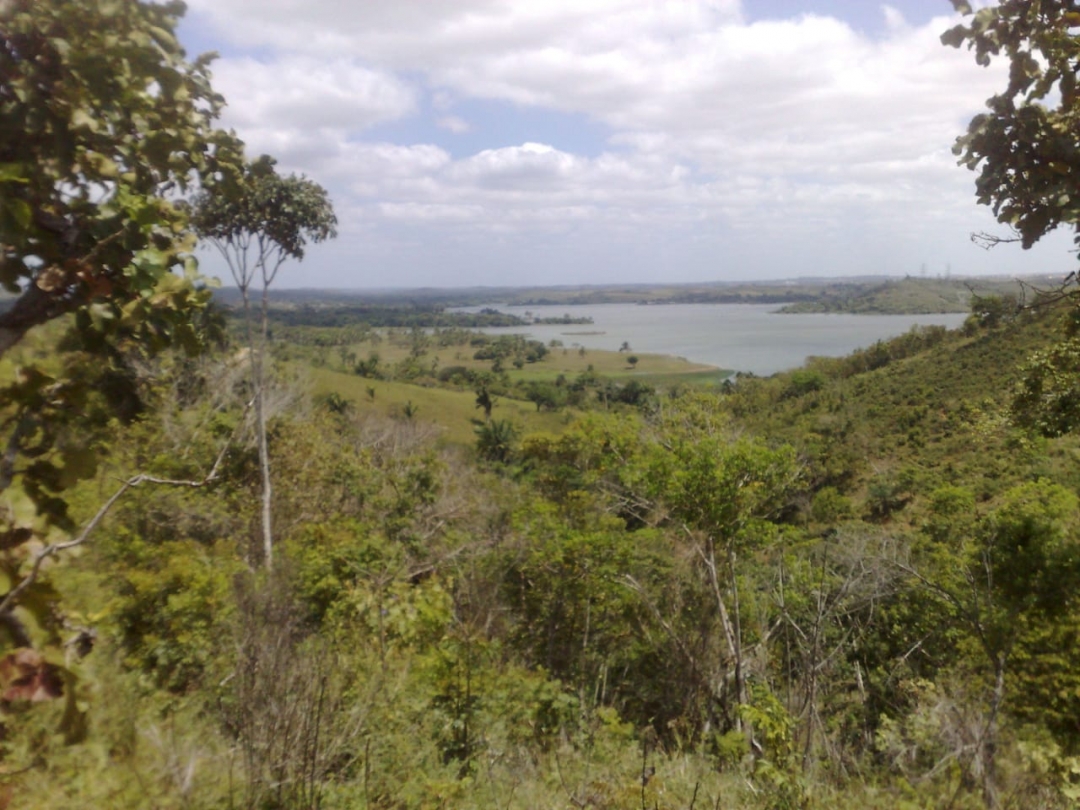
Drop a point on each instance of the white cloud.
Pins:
(405, 33)
(801, 128)
(304, 92)
(894, 18)
(452, 123)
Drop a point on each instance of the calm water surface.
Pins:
(743, 337)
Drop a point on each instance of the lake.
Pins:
(743, 337)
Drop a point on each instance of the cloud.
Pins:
(405, 33)
(304, 92)
(802, 129)
(453, 124)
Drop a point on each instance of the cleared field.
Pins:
(654, 369)
(453, 411)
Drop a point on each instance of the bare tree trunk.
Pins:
(740, 675)
(734, 643)
(812, 665)
(264, 451)
(987, 745)
(258, 384)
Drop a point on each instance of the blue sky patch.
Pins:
(496, 124)
(866, 16)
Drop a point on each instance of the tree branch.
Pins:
(52, 293)
(987, 240)
(8, 602)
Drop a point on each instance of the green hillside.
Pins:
(932, 403)
(908, 295)
(865, 294)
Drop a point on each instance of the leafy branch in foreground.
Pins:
(1024, 147)
(104, 125)
(11, 600)
(102, 120)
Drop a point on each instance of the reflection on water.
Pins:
(743, 337)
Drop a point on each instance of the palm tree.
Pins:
(495, 440)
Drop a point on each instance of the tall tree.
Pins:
(1006, 579)
(257, 225)
(725, 492)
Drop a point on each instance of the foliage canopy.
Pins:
(102, 122)
(276, 215)
(1025, 146)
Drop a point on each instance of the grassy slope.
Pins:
(651, 368)
(941, 414)
(453, 409)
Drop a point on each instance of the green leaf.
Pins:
(20, 212)
(62, 46)
(12, 173)
(81, 119)
(954, 37)
(79, 462)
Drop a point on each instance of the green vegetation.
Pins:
(257, 222)
(868, 295)
(869, 560)
(334, 313)
(1022, 146)
(919, 296)
(509, 574)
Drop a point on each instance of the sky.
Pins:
(553, 142)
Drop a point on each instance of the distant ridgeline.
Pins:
(670, 296)
(428, 308)
(401, 317)
(908, 296)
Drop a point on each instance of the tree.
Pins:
(257, 224)
(545, 396)
(1006, 579)
(495, 440)
(992, 310)
(632, 360)
(1028, 158)
(728, 493)
(484, 399)
(1025, 147)
(725, 492)
(102, 121)
(103, 125)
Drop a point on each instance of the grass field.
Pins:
(654, 369)
(453, 411)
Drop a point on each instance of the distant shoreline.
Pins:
(872, 295)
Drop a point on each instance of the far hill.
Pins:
(910, 296)
(862, 295)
